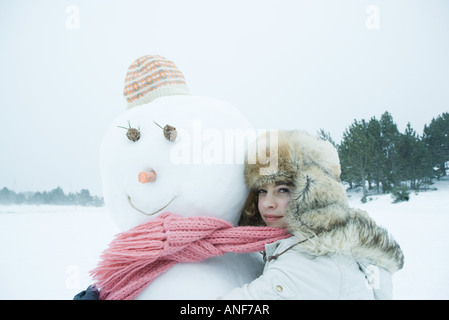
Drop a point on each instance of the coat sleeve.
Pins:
(273, 284)
(293, 275)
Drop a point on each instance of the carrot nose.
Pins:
(147, 176)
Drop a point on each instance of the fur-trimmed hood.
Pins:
(318, 209)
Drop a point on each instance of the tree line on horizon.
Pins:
(374, 156)
(54, 197)
(377, 158)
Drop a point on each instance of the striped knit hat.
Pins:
(151, 77)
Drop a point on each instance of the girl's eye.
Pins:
(261, 191)
(283, 190)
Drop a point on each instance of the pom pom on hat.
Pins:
(151, 77)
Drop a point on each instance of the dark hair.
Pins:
(250, 215)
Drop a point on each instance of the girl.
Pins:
(335, 252)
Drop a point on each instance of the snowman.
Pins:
(174, 152)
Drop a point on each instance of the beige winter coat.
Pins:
(337, 252)
(298, 275)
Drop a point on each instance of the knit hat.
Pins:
(151, 77)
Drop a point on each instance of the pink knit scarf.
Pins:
(137, 256)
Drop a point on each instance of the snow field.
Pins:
(47, 252)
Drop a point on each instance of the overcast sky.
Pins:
(286, 64)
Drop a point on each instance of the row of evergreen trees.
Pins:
(55, 196)
(376, 157)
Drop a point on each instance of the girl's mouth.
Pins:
(271, 217)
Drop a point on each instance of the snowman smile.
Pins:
(152, 213)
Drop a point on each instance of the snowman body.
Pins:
(200, 173)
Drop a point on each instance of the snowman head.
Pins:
(192, 168)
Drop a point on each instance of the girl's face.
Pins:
(272, 204)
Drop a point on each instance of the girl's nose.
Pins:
(269, 202)
(147, 176)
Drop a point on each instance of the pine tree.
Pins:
(378, 160)
(57, 196)
(413, 158)
(39, 198)
(390, 136)
(84, 197)
(436, 139)
(326, 136)
(7, 196)
(355, 154)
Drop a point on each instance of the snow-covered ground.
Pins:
(421, 228)
(47, 252)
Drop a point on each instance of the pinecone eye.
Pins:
(133, 134)
(170, 132)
